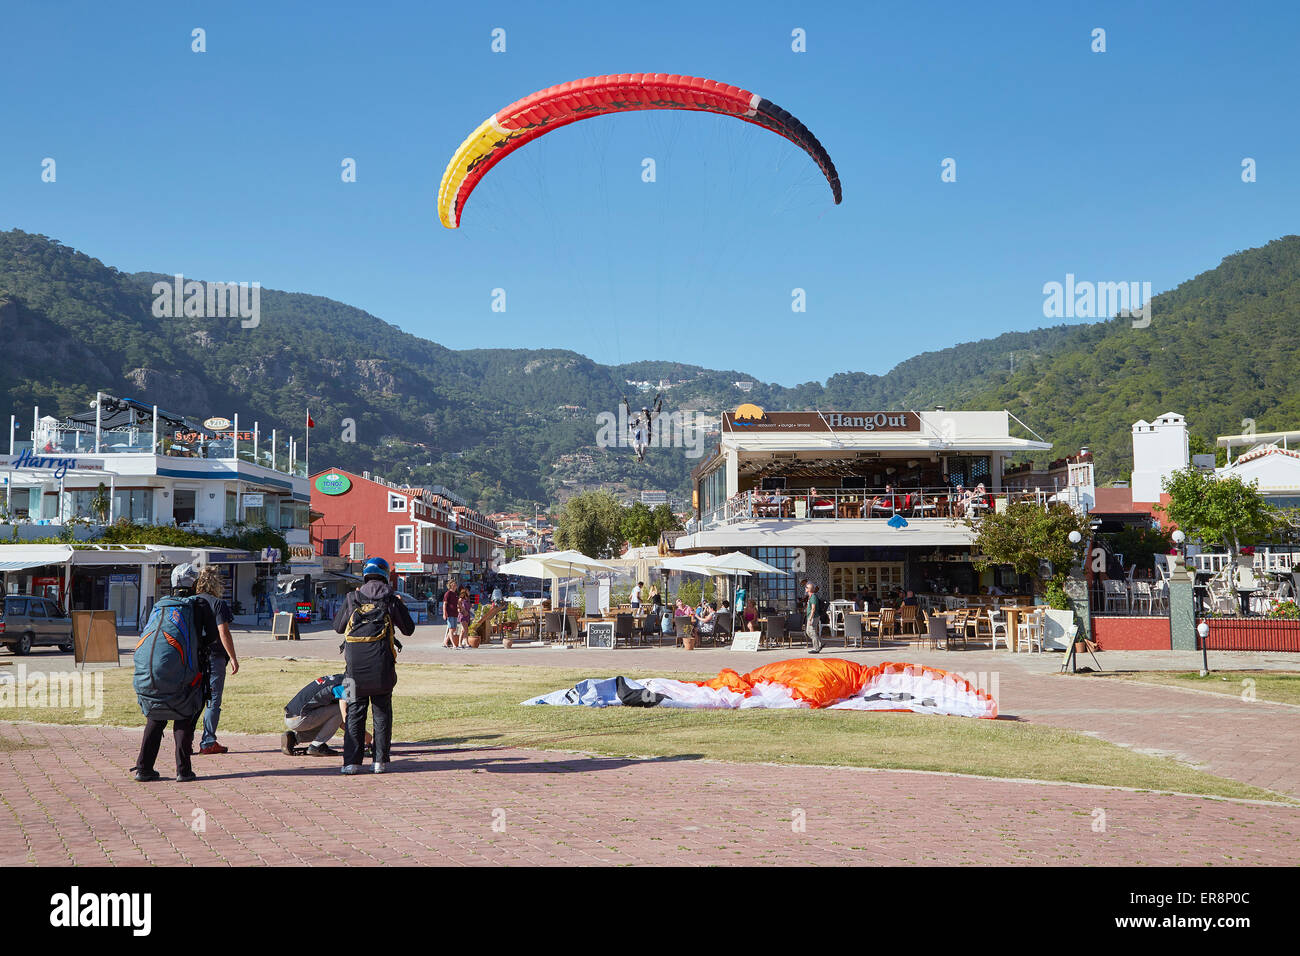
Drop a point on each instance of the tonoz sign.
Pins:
(333, 483)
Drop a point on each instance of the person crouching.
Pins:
(317, 712)
(370, 648)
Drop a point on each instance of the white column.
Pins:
(272, 449)
(99, 414)
(154, 448)
(234, 444)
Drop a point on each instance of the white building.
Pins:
(1160, 448)
(854, 500)
(127, 460)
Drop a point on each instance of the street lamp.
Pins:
(1203, 631)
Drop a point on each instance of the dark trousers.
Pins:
(182, 732)
(354, 737)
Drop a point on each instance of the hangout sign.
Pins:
(56, 466)
(749, 418)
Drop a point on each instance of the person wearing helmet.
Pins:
(366, 621)
(183, 610)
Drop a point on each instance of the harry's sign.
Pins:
(57, 466)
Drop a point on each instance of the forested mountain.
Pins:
(499, 425)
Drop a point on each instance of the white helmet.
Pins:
(184, 575)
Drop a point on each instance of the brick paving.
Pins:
(65, 798)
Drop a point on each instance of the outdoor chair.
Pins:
(998, 621)
(1141, 594)
(886, 621)
(774, 630)
(793, 626)
(1031, 630)
(553, 625)
(623, 629)
(937, 629)
(853, 630)
(722, 626)
(1116, 593)
(907, 619)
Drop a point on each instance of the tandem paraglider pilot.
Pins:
(366, 621)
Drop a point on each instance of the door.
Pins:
(60, 623)
(124, 601)
(40, 621)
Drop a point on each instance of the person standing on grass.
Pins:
(813, 617)
(366, 621)
(212, 588)
(171, 670)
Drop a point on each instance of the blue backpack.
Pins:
(168, 674)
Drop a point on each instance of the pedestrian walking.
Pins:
(212, 588)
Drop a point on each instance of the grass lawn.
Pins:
(1276, 686)
(474, 705)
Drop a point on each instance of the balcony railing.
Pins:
(941, 503)
(67, 442)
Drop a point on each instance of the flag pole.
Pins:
(307, 459)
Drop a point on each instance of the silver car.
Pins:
(26, 621)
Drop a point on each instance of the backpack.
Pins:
(370, 648)
(169, 680)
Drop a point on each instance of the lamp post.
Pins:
(1203, 632)
(1076, 539)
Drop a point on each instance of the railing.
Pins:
(331, 540)
(806, 503)
(1251, 634)
(137, 441)
(1137, 598)
(1268, 561)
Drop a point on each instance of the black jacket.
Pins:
(319, 693)
(373, 665)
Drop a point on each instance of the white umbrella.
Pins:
(558, 564)
(695, 563)
(738, 562)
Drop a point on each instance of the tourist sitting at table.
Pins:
(705, 617)
(820, 505)
(750, 615)
(910, 600)
(994, 589)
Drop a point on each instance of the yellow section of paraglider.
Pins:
(477, 145)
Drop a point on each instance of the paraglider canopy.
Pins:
(539, 113)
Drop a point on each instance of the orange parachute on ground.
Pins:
(817, 682)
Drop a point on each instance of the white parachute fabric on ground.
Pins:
(683, 694)
(921, 691)
(770, 696)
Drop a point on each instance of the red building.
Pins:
(415, 529)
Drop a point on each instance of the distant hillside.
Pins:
(492, 424)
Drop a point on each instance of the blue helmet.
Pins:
(375, 568)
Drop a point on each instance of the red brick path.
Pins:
(68, 799)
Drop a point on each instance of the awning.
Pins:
(867, 532)
(21, 557)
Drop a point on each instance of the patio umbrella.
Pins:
(737, 562)
(558, 564)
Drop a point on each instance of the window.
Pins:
(184, 505)
(405, 539)
(426, 541)
(396, 502)
(775, 590)
(135, 505)
(230, 507)
(16, 606)
(968, 471)
(878, 577)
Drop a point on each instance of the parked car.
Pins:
(26, 621)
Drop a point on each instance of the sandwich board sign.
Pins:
(284, 627)
(600, 634)
(745, 641)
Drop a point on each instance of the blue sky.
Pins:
(225, 165)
